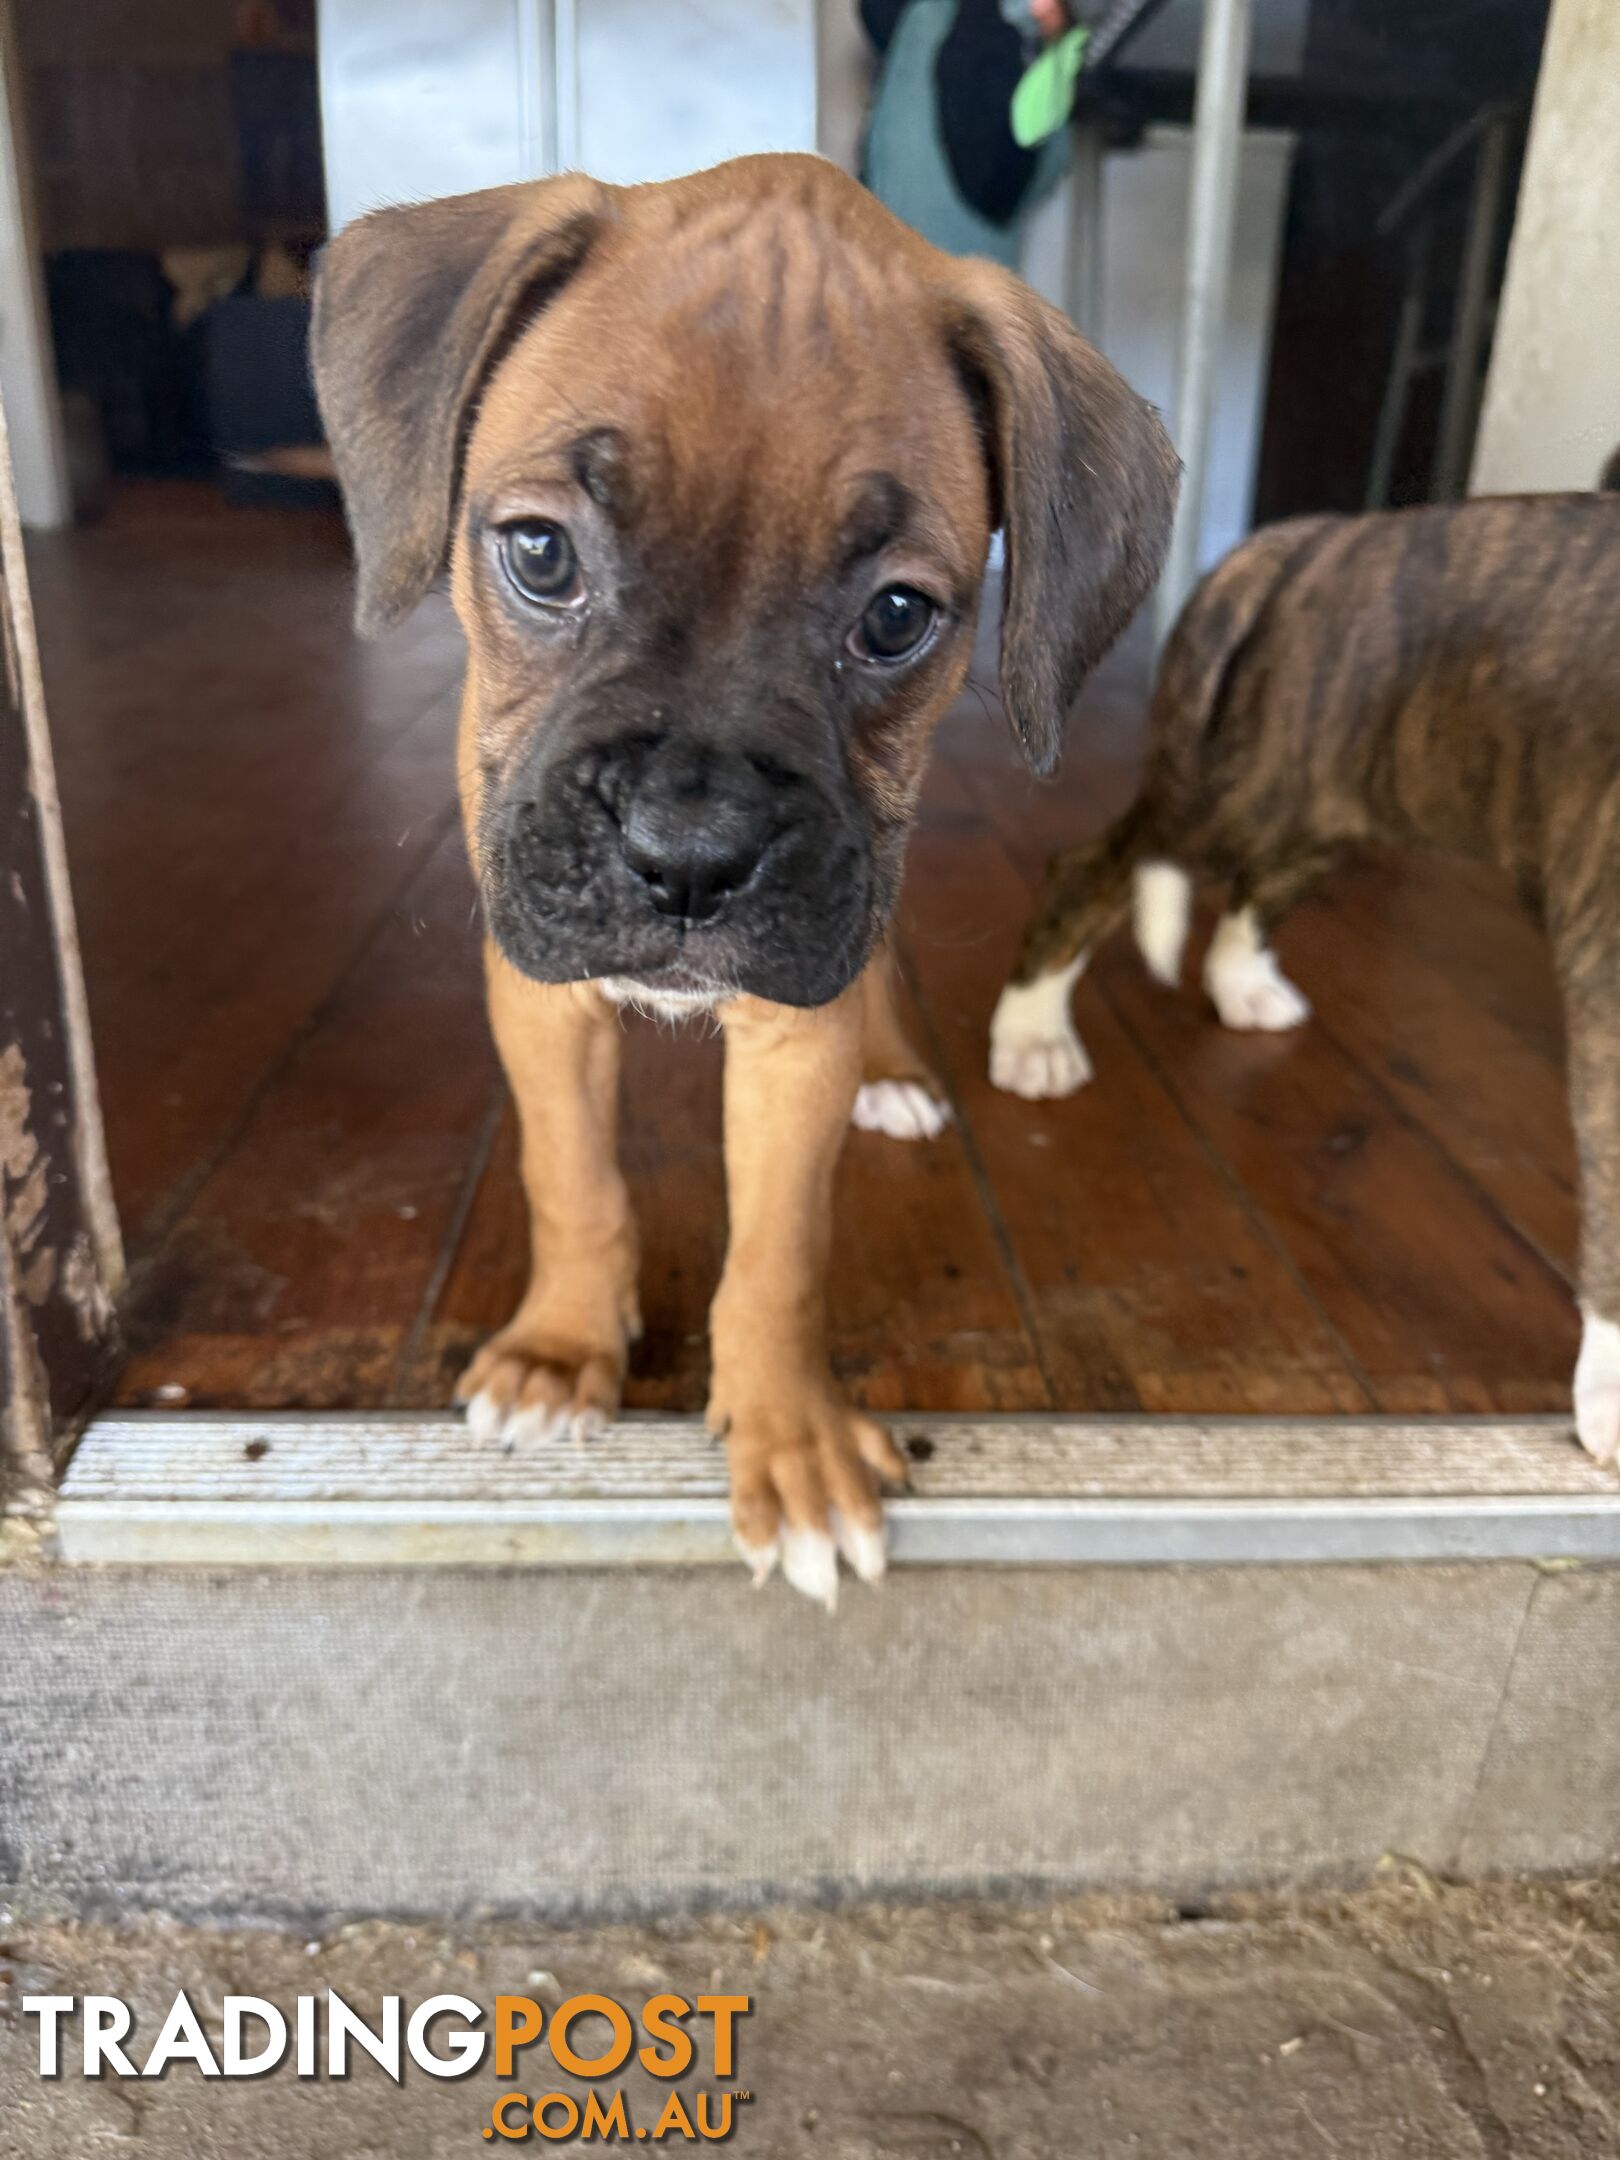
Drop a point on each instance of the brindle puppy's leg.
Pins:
(801, 1458)
(1590, 965)
(559, 1363)
(1246, 986)
(1034, 1048)
(898, 1094)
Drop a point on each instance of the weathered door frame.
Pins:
(61, 1256)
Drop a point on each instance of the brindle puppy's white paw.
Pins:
(1246, 986)
(1034, 1050)
(903, 1109)
(1039, 1070)
(1597, 1388)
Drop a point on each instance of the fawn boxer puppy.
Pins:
(715, 464)
(1445, 677)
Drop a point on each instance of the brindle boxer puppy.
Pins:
(715, 464)
(1445, 677)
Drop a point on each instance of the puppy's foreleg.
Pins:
(1035, 1050)
(558, 1365)
(1592, 993)
(802, 1461)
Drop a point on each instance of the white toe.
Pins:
(810, 1563)
(863, 1545)
(486, 1418)
(1036, 1070)
(903, 1109)
(760, 1559)
(587, 1423)
(1597, 1388)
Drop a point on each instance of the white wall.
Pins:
(431, 97)
(1144, 255)
(668, 86)
(1552, 399)
(420, 98)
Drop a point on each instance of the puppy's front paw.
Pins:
(904, 1109)
(803, 1487)
(1034, 1050)
(1260, 997)
(1057, 1065)
(1597, 1388)
(526, 1386)
(1246, 986)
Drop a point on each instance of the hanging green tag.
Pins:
(1044, 98)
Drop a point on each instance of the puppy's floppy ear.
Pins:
(412, 308)
(1085, 486)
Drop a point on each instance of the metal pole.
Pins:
(1082, 293)
(1223, 70)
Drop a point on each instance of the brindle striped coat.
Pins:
(1448, 678)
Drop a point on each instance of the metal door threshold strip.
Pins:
(401, 1489)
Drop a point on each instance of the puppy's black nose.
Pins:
(695, 829)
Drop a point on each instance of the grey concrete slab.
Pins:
(436, 1740)
(1549, 1794)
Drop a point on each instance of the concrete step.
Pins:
(336, 1665)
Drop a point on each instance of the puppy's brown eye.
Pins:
(541, 562)
(894, 625)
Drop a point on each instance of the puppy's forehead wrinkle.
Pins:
(774, 272)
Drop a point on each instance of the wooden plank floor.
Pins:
(315, 1160)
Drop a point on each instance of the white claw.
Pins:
(903, 1109)
(486, 1418)
(863, 1545)
(761, 1559)
(533, 1427)
(810, 1563)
